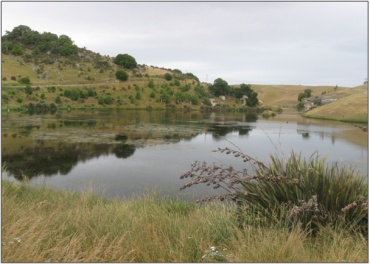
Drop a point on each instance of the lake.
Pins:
(124, 154)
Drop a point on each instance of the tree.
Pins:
(121, 75)
(219, 87)
(125, 61)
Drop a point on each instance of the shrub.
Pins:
(289, 191)
(28, 90)
(58, 100)
(24, 80)
(168, 76)
(151, 84)
(121, 75)
(300, 106)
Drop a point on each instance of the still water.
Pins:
(123, 154)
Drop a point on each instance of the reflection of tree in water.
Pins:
(124, 151)
(51, 160)
(218, 131)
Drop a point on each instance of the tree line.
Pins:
(22, 37)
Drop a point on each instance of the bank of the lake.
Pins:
(44, 225)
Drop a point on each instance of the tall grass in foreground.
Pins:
(42, 225)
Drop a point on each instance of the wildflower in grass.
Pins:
(213, 255)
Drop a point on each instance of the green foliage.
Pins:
(176, 82)
(75, 94)
(168, 76)
(151, 84)
(121, 75)
(25, 80)
(108, 100)
(185, 88)
(58, 100)
(41, 108)
(138, 95)
(192, 76)
(194, 99)
(152, 95)
(291, 191)
(125, 60)
(201, 91)
(23, 37)
(246, 90)
(177, 71)
(301, 96)
(28, 89)
(17, 50)
(306, 94)
(219, 87)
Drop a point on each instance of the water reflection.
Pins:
(51, 159)
(116, 147)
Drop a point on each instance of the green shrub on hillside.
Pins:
(28, 89)
(24, 80)
(167, 76)
(121, 75)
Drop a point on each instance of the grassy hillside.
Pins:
(57, 67)
(353, 106)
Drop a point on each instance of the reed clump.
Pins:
(289, 191)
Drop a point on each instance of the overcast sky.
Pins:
(308, 43)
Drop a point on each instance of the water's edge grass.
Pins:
(44, 225)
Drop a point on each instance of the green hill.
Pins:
(68, 76)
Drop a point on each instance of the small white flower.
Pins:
(213, 248)
(17, 239)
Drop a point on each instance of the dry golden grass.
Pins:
(287, 95)
(41, 225)
(353, 107)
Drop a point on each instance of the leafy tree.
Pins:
(308, 92)
(125, 61)
(219, 87)
(301, 96)
(252, 99)
(121, 75)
